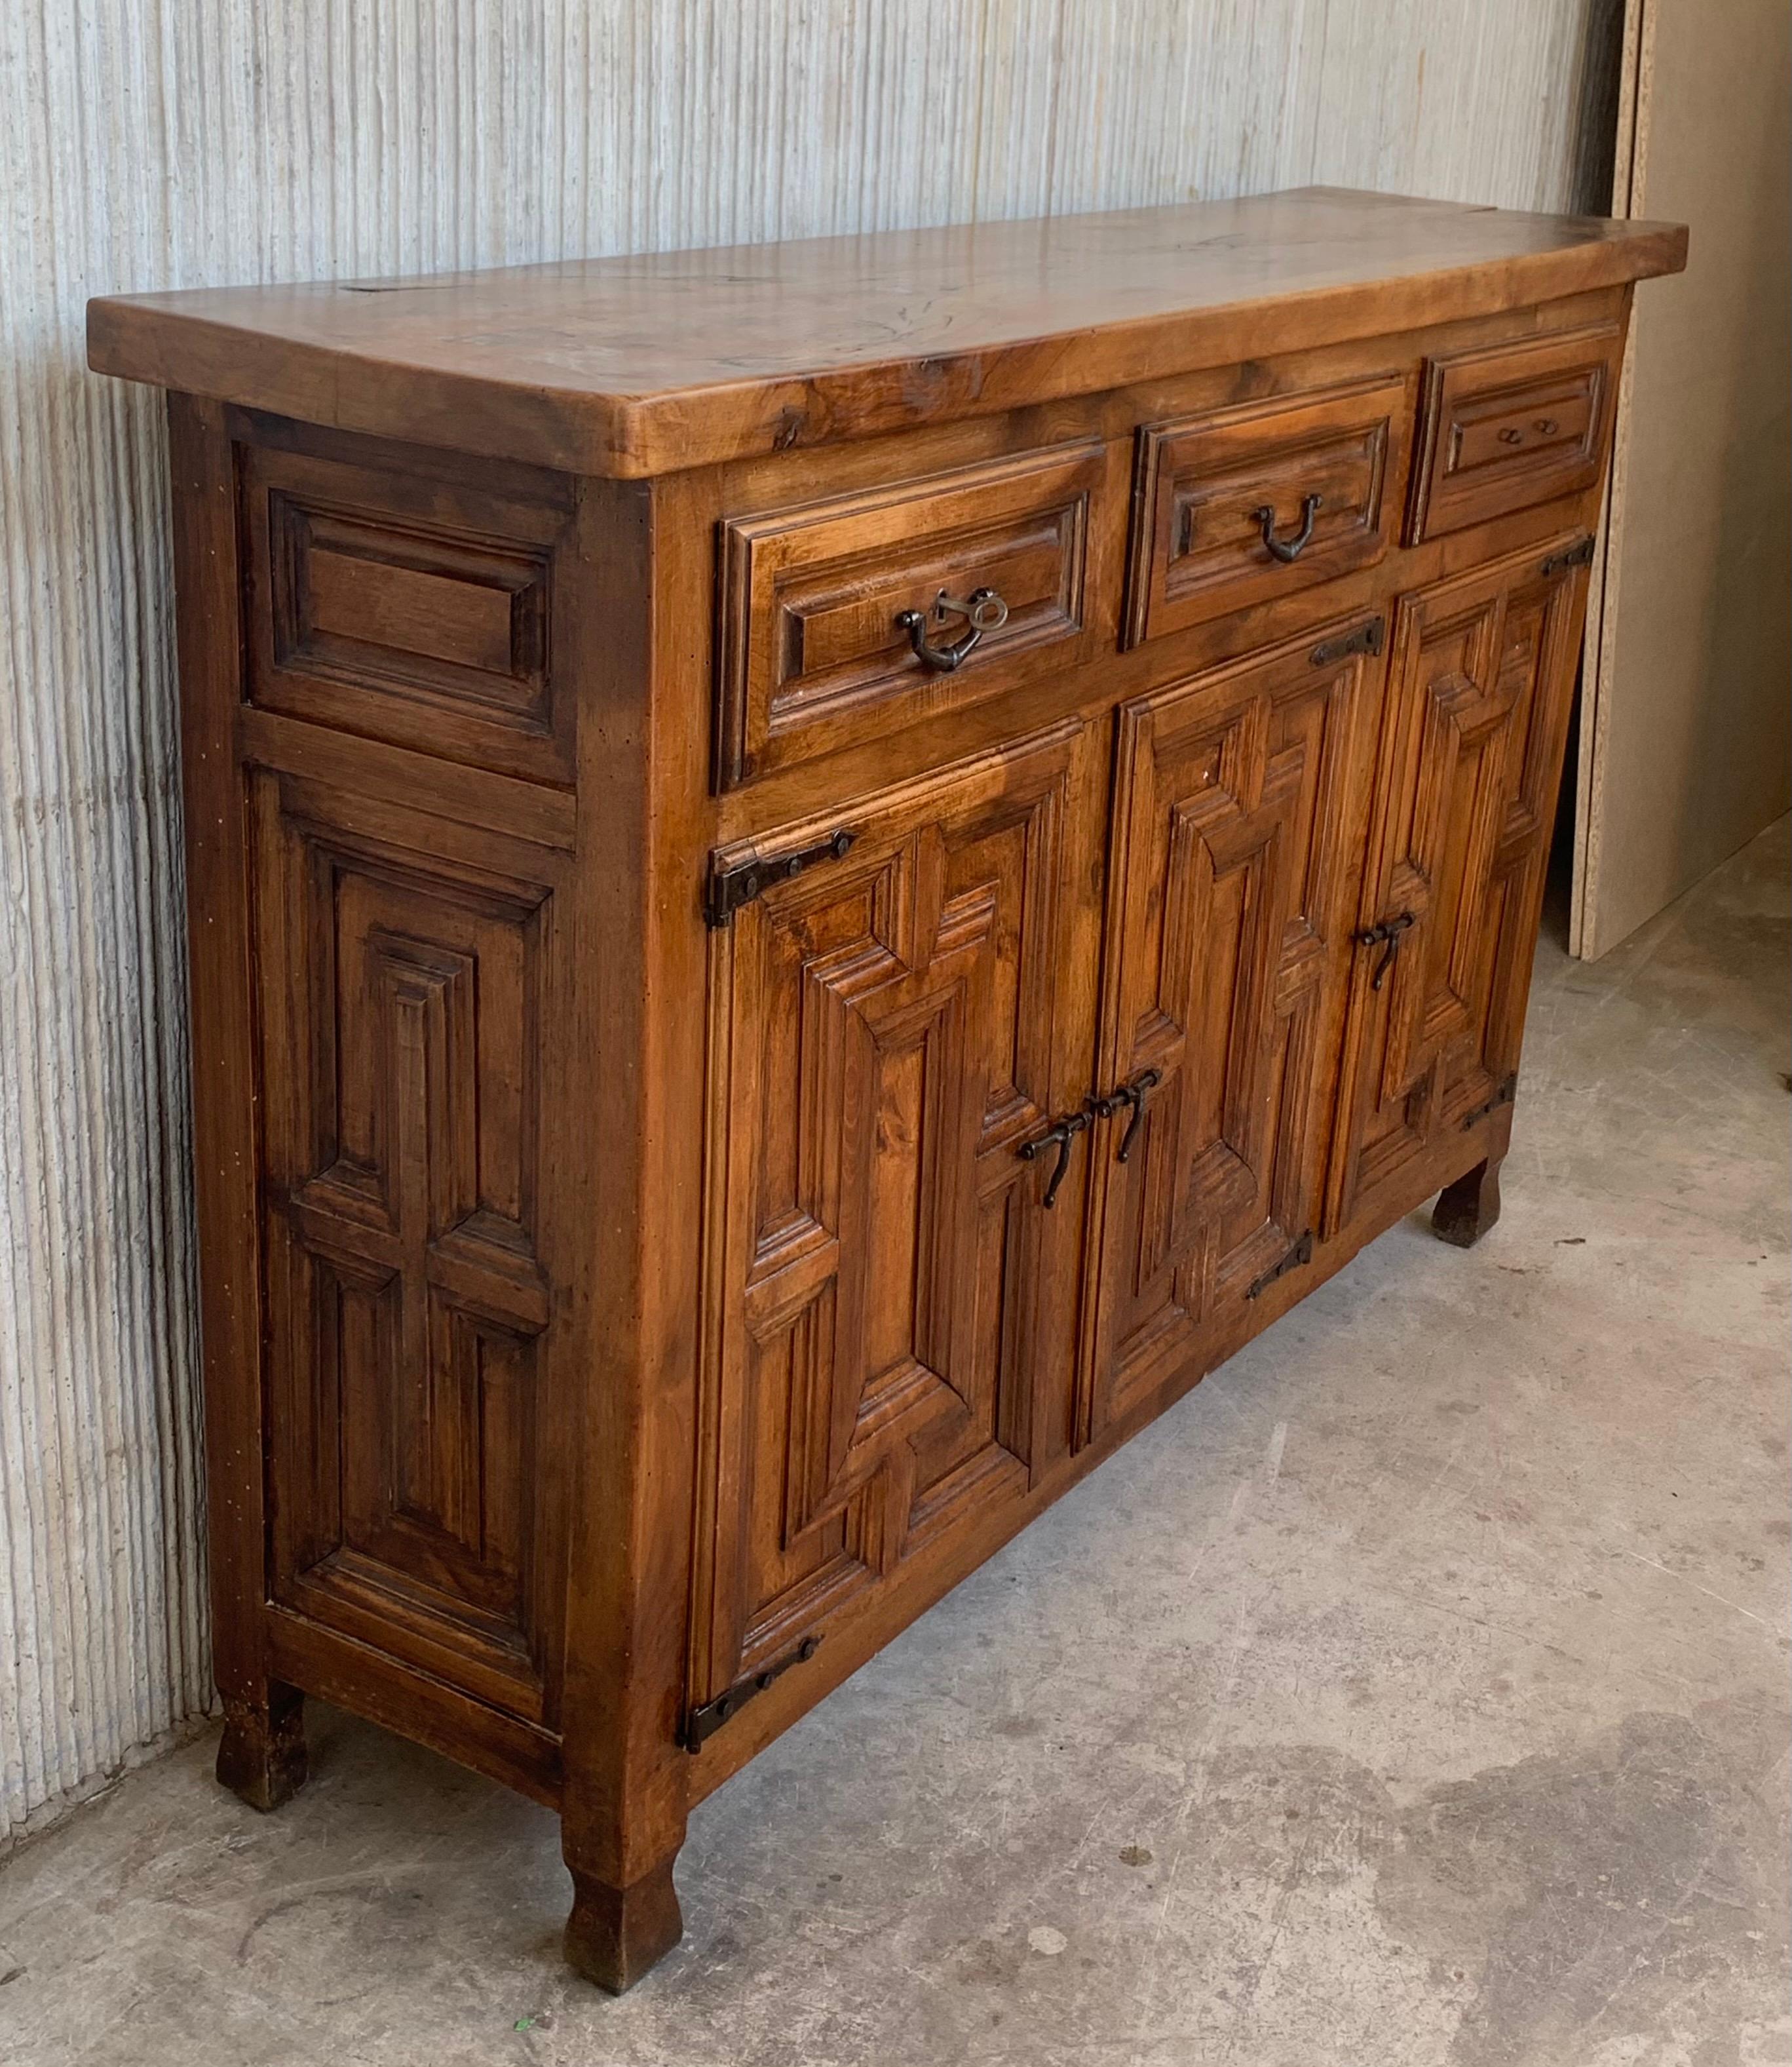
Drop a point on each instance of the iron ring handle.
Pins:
(1285, 549)
(1061, 1133)
(984, 610)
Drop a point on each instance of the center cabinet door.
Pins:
(890, 1309)
(1239, 817)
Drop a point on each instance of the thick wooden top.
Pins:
(640, 366)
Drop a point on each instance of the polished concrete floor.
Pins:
(1415, 1692)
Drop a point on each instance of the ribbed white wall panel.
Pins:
(172, 143)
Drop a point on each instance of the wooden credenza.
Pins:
(818, 875)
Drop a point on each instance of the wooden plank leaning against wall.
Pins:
(1685, 740)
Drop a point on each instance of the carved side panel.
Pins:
(405, 610)
(1238, 826)
(403, 1000)
(1479, 688)
(885, 1031)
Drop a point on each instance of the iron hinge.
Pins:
(1504, 1092)
(1580, 555)
(739, 883)
(1365, 639)
(1301, 1253)
(701, 1724)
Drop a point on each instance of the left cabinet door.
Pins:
(890, 1307)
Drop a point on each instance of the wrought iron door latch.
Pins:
(1061, 1134)
(702, 1723)
(1301, 1253)
(1578, 555)
(1366, 638)
(1132, 1095)
(1504, 1093)
(743, 881)
(1385, 934)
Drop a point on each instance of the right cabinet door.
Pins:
(1239, 822)
(1480, 678)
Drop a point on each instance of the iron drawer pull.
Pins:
(1511, 438)
(1385, 933)
(1285, 549)
(1134, 1095)
(984, 609)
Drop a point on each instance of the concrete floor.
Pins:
(1415, 1692)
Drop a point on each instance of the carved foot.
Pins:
(261, 1757)
(614, 1934)
(1467, 1209)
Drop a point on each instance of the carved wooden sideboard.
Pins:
(818, 875)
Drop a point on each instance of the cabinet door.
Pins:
(1479, 684)
(1238, 826)
(890, 1308)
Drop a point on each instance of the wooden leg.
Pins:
(261, 1757)
(614, 1934)
(1467, 1209)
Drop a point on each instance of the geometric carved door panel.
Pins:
(402, 998)
(1239, 806)
(1480, 680)
(888, 1320)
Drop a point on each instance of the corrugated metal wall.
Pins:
(169, 142)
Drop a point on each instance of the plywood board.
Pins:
(1686, 725)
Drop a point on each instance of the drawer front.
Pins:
(1250, 504)
(1510, 426)
(405, 612)
(812, 656)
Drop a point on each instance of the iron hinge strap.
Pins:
(1506, 1091)
(1301, 1253)
(1365, 639)
(1579, 554)
(739, 883)
(701, 1724)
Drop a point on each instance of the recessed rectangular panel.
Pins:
(405, 612)
(357, 597)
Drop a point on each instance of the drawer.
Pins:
(1512, 425)
(404, 611)
(812, 656)
(1252, 504)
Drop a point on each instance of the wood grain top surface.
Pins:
(636, 366)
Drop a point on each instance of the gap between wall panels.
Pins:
(146, 145)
